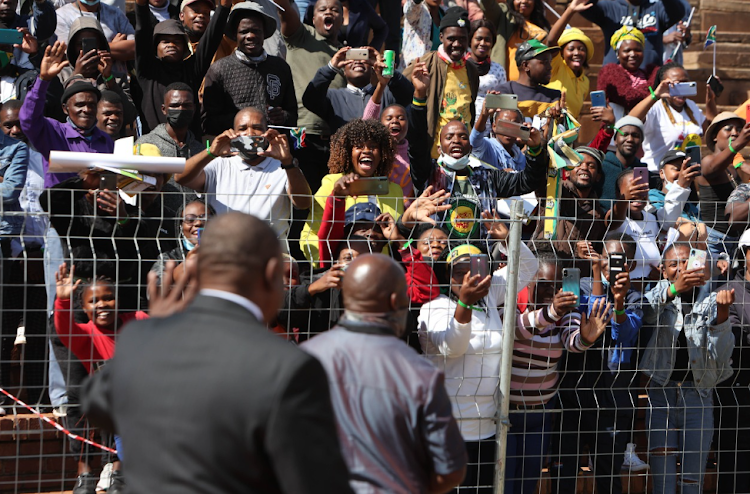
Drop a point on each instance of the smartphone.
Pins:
(747, 114)
(501, 101)
(248, 144)
(88, 44)
(697, 259)
(198, 235)
(358, 54)
(598, 99)
(513, 129)
(10, 37)
(369, 186)
(640, 174)
(480, 264)
(684, 89)
(616, 266)
(694, 153)
(716, 86)
(572, 282)
(108, 181)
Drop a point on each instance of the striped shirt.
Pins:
(540, 338)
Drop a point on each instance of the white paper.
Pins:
(530, 202)
(72, 162)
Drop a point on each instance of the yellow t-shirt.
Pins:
(511, 46)
(576, 88)
(392, 203)
(455, 104)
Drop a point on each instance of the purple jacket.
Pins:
(47, 134)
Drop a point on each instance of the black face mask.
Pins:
(179, 119)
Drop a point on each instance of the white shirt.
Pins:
(237, 299)
(260, 190)
(661, 135)
(469, 354)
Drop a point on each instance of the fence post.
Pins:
(509, 327)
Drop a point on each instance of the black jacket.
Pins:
(739, 318)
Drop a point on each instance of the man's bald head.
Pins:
(240, 253)
(250, 118)
(374, 283)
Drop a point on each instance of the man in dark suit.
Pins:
(208, 400)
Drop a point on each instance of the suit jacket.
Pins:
(209, 401)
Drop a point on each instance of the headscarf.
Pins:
(575, 34)
(626, 33)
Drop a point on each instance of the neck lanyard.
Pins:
(98, 11)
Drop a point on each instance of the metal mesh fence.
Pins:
(643, 392)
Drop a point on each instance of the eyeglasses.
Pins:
(191, 219)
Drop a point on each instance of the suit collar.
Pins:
(207, 303)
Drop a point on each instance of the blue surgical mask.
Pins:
(455, 164)
(187, 244)
(90, 3)
(668, 185)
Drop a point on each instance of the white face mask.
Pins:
(454, 164)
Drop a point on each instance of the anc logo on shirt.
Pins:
(462, 217)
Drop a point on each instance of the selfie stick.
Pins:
(681, 45)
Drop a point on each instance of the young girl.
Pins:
(516, 21)
(482, 37)
(359, 149)
(688, 355)
(576, 51)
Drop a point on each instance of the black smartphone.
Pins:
(108, 181)
(694, 153)
(88, 44)
(480, 265)
(616, 266)
(716, 86)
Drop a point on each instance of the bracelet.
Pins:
(464, 305)
(584, 342)
(107, 79)
(673, 290)
(534, 152)
(653, 94)
(619, 312)
(730, 146)
(208, 149)
(419, 102)
(123, 222)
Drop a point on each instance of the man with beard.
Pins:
(338, 106)
(408, 440)
(474, 185)
(453, 83)
(534, 60)
(628, 140)
(248, 77)
(262, 183)
(174, 138)
(578, 200)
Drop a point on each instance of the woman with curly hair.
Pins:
(516, 21)
(625, 83)
(359, 149)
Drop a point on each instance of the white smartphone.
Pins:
(684, 89)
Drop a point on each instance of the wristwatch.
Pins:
(294, 164)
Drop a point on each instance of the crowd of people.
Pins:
(380, 145)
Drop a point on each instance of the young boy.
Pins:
(503, 151)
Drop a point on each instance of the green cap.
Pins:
(531, 49)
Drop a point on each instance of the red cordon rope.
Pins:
(56, 425)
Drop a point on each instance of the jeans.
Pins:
(528, 442)
(680, 420)
(53, 257)
(720, 242)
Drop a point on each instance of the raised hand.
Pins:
(29, 44)
(105, 64)
(474, 288)
(278, 147)
(620, 285)
(338, 61)
(64, 281)
(603, 114)
(341, 187)
(495, 227)
(420, 78)
(87, 63)
(593, 326)
(724, 299)
(425, 206)
(579, 5)
(689, 279)
(170, 297)
(688, 173)
(388, 226)
(330, 279)
(53, 61)
(222, 144)
(564, 302)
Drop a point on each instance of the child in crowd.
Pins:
(687, 356)
(550, 324)
(502, 151)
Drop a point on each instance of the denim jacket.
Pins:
(710, 345)
(14, 164)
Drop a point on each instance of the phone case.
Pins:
(572, 281)
(640, 174)
(616, 265)
(10, 37)
(684, 89)
(374, 186)
(88, 44)
(697, 258)
(357, 54)
(694, 153)
(480, 265)
(108, 182)
(501, 101)
(513, 129)
(598, 99)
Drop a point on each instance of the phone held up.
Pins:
(598, 99)
(480, 265)
(572, 282)
(369, 186)
(357, 54)
(616, 266)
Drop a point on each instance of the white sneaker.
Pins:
(632, 462)
(104, 478)
(60, 412)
